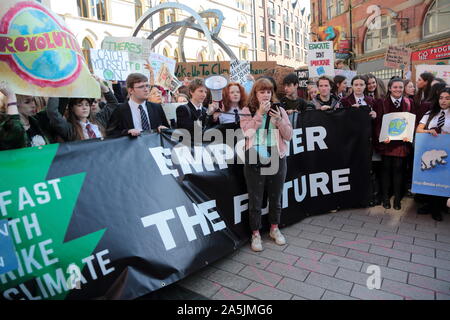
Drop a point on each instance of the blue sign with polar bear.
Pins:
(431, 173)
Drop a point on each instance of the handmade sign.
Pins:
(397, 126)
(348, 74)
(439, 71)
(321, 59)
(397, 57)
(239, 71)
(39, 55)
(110, 65)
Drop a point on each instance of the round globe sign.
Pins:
(397, 127)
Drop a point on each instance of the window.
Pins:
(169, 15)
(86, 45)
(271, 9)
(286, 33)
(437, 19)
(137, 9)
(94, 9)
(339, 7)
(272, 27)
(176, 55)
(330, 9)
(243, 53)
(261, 3)
(297, 38)
(279, 29)
(281, 47)
(273, 46)
(380, 38)
(242, 28)
(287, 51)
(263, 43)
(262, 24)
(165, 52)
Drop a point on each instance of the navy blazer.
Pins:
(122, 120)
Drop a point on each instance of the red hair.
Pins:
(226, 96)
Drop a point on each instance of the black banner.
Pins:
(163, 222)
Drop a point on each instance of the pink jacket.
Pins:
(283, 133)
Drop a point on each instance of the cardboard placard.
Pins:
(397, 126)
(321, 59)
(110, 65)
(205, 69)
(397, 57)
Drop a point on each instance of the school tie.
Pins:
(90, 132)
(441, 120)
(144, 119)
(397, 103)
(236, 116)
(359, 101)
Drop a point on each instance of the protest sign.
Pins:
(239, 70)
(138, 50)
(397, 126)
(321, 59)
(439, 71)
(205, 69)
(431, 173)
(163, 69)
(110, 65)
(348, 74)
(41, 59)
(170, 110)
(397, 57)
(303, 77)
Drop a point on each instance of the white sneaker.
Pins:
(276, 235)
(256, 243)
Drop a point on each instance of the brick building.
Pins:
(369, 26)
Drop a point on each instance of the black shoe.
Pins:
(397, 205)
(426, 209)
(436, 216)
(386, 204)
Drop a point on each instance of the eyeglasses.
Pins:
(143, 86)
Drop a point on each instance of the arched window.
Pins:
(437, 19)
(138, 9)
(201, 57)
(94, 9)
(379, 38)
(176, 55)
(243, 53)
(165, 52)
(86, 45)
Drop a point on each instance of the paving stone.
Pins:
(442, 230)
(365, 218)
(229, 265)
(439, 263)
(301, 289)
(230, 280)
(228, 294)
(316, 266)
(442, 274)
(355, 245)
(429, 283)
(352, 276)
(279, 256)
(364, 293)
(407, 291)
(388, 273)
(417, 234)
(364, 231)
(440, 296)
(302, 252)
(368, 257)
(328, 248)
(308, 227)
(251, 260)
(327, 224)
(381, 227)
(411, 267)
(304, 243)
(291, 231)
(330, 295)
(264, 277)
(201, 286)
(441, 254)
(388, 252)
(393, 236)
(206, 271)
(263, 292)
(331, 283)
(432, 244)
(315, 237)
(268, 243)
(443, 238)
(298, 298)
(348, 222)
(342, 262)
(289, 271)
(414, 249)
(375, 241)
(339, 234)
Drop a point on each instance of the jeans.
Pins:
(256, 183)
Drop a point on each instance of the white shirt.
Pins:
(136, 114)
(199, 107)
(434, 121)
(363, 102)
(399, 100)
(94, 128)
(228, 117)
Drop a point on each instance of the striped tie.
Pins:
(236, 116)
(144, 119)
(90, 132)
(397, 103)
(359, 101)
(441, 120)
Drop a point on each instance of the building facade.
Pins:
(367, 28)
(282, 31)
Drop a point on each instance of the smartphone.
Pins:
(274, 105)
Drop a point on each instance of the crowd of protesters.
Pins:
(27, 121)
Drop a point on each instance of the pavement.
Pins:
(336, 256)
